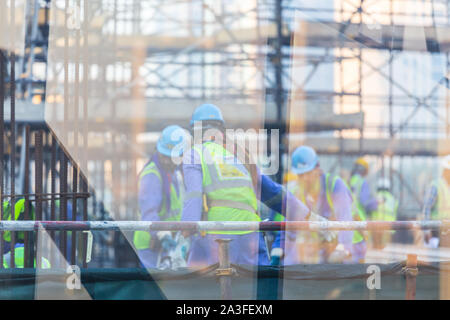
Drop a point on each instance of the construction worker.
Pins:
(160, 194)
(365, 203)
(437, 203)
(222, 186)
(327, 195)
(386, 211)
(19, 211)
(19, 258)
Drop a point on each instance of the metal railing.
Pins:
(199, 226)
(224, 271)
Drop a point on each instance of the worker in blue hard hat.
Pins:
(326, 194)
(160, 194)
(365, 205)
(223, 185)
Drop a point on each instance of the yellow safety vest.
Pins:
(142, 239)
(441, 209)
(227, 186)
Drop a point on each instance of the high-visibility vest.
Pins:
(19, 259)
(359, 213)
(387, 207)
(142, 239)
(441, 210)
(19, 209)
(227, 186)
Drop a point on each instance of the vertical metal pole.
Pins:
(279, 92)
(84, 189)
(29, 258)
(52, 199)
(13, 131)
(83, 178)
(224, 271)
(411, 274)
(21, 179)
(391, 123)
(360, 57)
(64, 137)
(63, 201)
(38, 174)
(75, 121)
(342, 89)
(2, 153)
(74, 213)
(63, 159)
(277, 284)
(391, 98)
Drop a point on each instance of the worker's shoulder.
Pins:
(193, 155)
(337, 183)
(149, 170)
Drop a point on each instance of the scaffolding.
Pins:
(117, 68)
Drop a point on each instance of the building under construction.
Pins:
(87, 87)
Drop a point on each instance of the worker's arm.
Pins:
(150, 198)
(193, 176)
(430, 202)
(367, 199)
(277, 198)
(342, 203)
(278, 241)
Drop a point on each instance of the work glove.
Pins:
(275, 256)
(339, 255)
(165, 238)
(328, 235)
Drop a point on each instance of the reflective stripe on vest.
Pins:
(142, 239)
(227, 185)
(357, 215)
(441, 209)
(356, 183)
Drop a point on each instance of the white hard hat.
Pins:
(446, 163)
(384, 183)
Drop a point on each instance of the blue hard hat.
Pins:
(206, 112)
(172, 141)
(304, 159)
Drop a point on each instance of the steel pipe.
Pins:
(221, 225)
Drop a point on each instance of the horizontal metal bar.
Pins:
(221, 225)
(70, 194)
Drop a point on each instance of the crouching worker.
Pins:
(160, 196)
(19, 258)
(327, 195)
